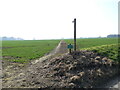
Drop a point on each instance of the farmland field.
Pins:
(87, 43)
(23, 51)
(107, 47)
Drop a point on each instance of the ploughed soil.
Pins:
(59, 69)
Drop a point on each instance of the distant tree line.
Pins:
(113, 35)
(10, 38)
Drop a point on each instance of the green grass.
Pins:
(111, 51)
(24, 51)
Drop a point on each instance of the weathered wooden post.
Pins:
(74, 34)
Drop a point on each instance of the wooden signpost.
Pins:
(74, 34)
(70, 46)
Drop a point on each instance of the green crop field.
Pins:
(23, 51)
(87, 43)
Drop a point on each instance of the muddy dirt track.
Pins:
(59, 69)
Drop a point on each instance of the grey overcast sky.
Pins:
(52, 19)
